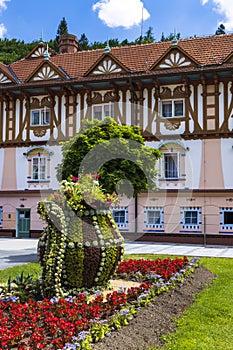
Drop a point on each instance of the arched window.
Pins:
(38, 166)
(172, 164)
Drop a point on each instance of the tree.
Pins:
(62, 28)
(83, 43)
(220, 30)
(170, 37)
(146, 39)
(117, 153)
(149, 37)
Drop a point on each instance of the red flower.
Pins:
(36, 325)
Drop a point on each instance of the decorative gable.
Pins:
(4, 76)
(174, 58)
(39, 51)
(229, 58)
(106, 65)
(46, 71)
(4, 79)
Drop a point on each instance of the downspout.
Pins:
(136, 213)
(135, 100)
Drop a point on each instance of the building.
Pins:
(179, 93)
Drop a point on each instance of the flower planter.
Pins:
(77, 249)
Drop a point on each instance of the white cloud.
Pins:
(225, 8)
(121, 13)
(3, 4)
(3, 30)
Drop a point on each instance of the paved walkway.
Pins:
(15, 252)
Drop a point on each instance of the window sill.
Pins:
(172, 119)
(38, 181)
(171, 179)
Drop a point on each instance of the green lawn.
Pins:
(206, 325)
(28, 269)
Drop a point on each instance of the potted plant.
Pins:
(81, 245)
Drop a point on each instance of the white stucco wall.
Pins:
(227, 162)
(1, 165)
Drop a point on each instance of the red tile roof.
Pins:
(211, 50)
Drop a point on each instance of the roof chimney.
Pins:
(68, 43)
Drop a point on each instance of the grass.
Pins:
(206, 325)
(27, 269)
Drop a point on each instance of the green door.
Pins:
(23, 223)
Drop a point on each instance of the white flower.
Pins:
(71, 245)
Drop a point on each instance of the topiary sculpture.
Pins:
(81, 245)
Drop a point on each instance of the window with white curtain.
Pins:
(172, 108)
(171, 165)
(40, 117)
(102, 110)
(39, 168)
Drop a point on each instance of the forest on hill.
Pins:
(12, 50)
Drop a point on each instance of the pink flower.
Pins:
(74, 178)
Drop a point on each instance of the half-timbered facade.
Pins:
(179, 93)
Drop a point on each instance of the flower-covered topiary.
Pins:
(81, 245)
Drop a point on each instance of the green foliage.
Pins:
(99, 331)
(170, 37)
(62, 27)
(208, 323)
(83, 43)
(116, 152)
(12, 50)
(28, 269)
(81, 245)
(74, 267)
(22, 286)
(147, 38)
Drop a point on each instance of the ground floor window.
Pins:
(191, 217)
(154, 217)
(120, 216)
(227, 218)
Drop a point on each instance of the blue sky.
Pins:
(106, 19)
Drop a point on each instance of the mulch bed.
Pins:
(146, 329)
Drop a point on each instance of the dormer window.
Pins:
(172, 108)
(40, 117)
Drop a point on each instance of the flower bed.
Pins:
(77, 321)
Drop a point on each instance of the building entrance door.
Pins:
(23, 223)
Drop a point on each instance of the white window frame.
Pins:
(40, 172)
(172, 102)
(151, 210)
(190, 225)
(124, 223)
(1, 216)
(102, 107)
(43, 117)
(175, 155)
(225, 226)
